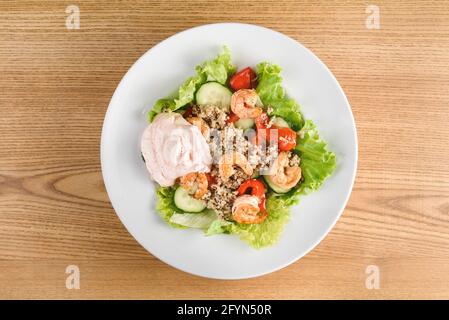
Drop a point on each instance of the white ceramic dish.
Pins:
(158, 73)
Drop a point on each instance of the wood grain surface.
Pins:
(55, 86)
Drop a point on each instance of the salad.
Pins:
(231, 152)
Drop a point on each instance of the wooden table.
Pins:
(55, 86)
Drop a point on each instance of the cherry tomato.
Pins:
(232, 118)
(254, 187)
(286, 139)
(286, 136)
(244, 79)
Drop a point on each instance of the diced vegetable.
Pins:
(194, 220)
(286, 139)
(280, 123)
(244, 123)
(186, 202)
(213, 93)
(244, 79)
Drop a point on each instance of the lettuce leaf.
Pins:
(273, 94)
(266, 233)
(269, 81)
(201, 220)
(317, 163)
(161, 105)
(217, 69)
(218, 226)
(166, 206)
(186, 92)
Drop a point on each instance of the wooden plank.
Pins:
(56, 84)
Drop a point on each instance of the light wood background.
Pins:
(55, 86)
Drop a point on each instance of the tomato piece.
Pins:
(244, 79)
(286, 139)
(262, 120)
(232, 118)
(263, 133)
(254, 187)
(210, 179)
(188, 112)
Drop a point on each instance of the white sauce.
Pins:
(172, 148)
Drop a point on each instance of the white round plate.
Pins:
(158, 73)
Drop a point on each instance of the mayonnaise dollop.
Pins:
(172, 148)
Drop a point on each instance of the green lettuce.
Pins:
(272, 94)
(219, 226)
(217, 70)
(201, 220)
(317, 163)
(161, 105)
(266, 233)
(186, 92)
(166, 205)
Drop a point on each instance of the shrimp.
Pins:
(195, 183)
(201, 124)
(284, 175)
(227, 161)
(243, 104)
(246, 210)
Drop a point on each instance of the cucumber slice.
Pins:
(244, 123)
(280, 123)
(186, 202)
(213, 93)
(276, 188)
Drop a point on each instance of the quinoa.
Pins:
(294, 160)
(266, 157)
(225, 138)
(214, 116)
(220, 199)
(222, 194)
